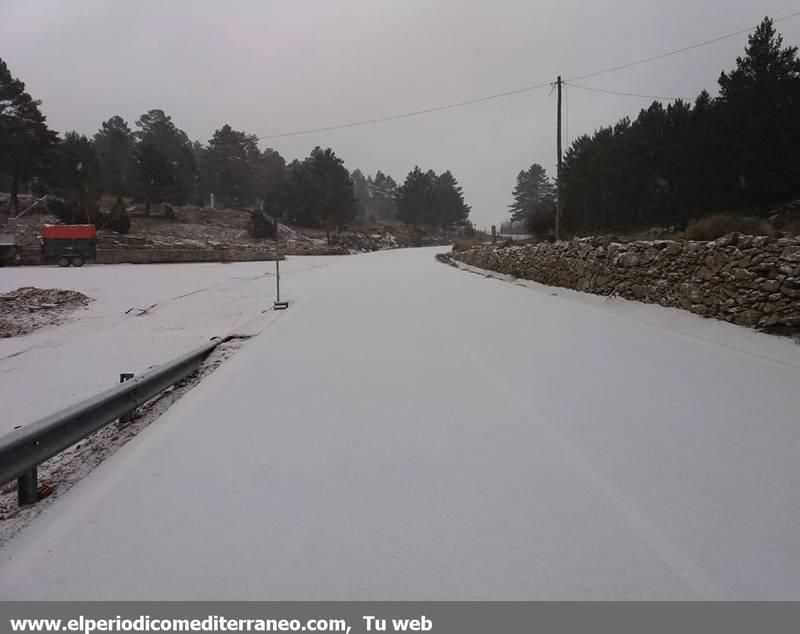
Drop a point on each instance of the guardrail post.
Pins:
(27, 487)
(125, 418)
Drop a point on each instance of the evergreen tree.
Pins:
(230, 167)
(74, 175)
(114, 143)
(25, 139)
(335, 199)
(533, 192)
(270, 177)
(318, 192)
(761, 106)
(382, 191)
(362, 194)
(294, 198)
(415, 198)
(675, 162)
(161, 137)
(156, 180)
(449, 207)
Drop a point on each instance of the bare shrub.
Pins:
(465, 245)
(718, 225)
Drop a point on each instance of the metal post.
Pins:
(278, 305)
(28, 487)
(125, 418)
(277, 271)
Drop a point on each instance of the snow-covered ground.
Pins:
(407, 430)
(185, 304)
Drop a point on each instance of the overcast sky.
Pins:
(268, 67)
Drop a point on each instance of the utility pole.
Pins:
(558, 170)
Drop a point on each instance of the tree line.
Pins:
(737, 151)
(155, 162)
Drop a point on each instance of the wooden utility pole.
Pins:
(558, 170)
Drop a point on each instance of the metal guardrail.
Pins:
(23, 450)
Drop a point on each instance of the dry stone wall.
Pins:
(748, 280)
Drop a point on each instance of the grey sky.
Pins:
(269, 67)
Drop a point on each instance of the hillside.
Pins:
(193, 232)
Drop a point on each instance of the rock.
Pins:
(768, 321)
(706, 273)
(791, 254)
(648, 256)
(753, 281)
(749, 317)
(627, 260)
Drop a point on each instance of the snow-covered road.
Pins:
(410, 431)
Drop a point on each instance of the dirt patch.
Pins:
(28, 308)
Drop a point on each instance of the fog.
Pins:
(269, 68)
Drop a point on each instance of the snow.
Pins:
(188, 304)
(407, 430)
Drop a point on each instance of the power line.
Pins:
(469, 102)
(627, 94)
(414, 113)
(678, 51)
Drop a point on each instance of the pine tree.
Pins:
(270, 177)
(231, 167)
(318, 192)
(415, 198)
(534, 192)
(362, 194)
(335, 199)
(450, 210)
(25, 138)
(761, 106)
(73, 175)
(161, 136)
(383, 190)
(114, 142)
(155, 175)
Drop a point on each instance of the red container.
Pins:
(69, 232)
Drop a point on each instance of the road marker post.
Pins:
(278, 304)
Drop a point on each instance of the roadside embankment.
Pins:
(752, 281)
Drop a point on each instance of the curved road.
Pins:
(407, 430)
